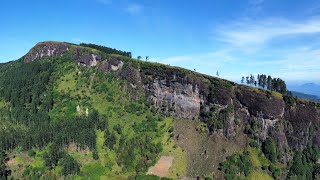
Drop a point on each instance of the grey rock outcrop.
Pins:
(46, 49)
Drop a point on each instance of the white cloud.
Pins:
(250, 34)
(214, 58)
(248, 46)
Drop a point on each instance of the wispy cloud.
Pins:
(213, 59)
(207, 63)
(248, 33)
(278, 47)
(134, 8)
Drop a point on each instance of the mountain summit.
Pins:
(89, 111)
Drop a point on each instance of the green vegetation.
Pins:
(4, 173)
(212, 118)
(259, 162)
(69, 120)
(107, 49)
(61, 120)
(179, 165)
(269, 149)
(258, 166)
(263, 81)
(304, 164)
(257, 158)
(69, 165)
(237, 166)
(259, 174)
(151, 177)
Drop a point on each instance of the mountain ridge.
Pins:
(309, 97)
(196, 112)
(307, 88)
(191, 88)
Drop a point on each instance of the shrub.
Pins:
(31, 153)
(95, 155)
(69, 165)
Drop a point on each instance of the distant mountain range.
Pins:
(308, 89)
(306, 96)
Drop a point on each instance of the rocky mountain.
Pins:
(307, 88)
(142, 111)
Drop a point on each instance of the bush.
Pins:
(254, 144)
(171, 130)
(237, 164)
(95, 155)
(31, 153)
(117, 128)
(276, 172)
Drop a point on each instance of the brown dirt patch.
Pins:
(162, 167)
(11, 162)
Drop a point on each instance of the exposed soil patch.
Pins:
(11, 162)
(162, 167)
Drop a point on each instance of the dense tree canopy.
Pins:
(107, 50)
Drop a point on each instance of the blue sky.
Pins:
(235, 37)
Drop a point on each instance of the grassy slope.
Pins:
(76, 87)
(258, 160)
(179, 165)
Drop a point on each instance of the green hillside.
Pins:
(61, 119)
(90, 112)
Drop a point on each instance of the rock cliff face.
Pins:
(81, 55)
(46, 49)
(227, 108)
(182, 100)
(260, 104)
(303, 124)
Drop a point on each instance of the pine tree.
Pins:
(248, 80)
(269, 82)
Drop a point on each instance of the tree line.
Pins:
(107, 50)
(266, 82)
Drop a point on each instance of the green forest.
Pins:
(59, 119)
